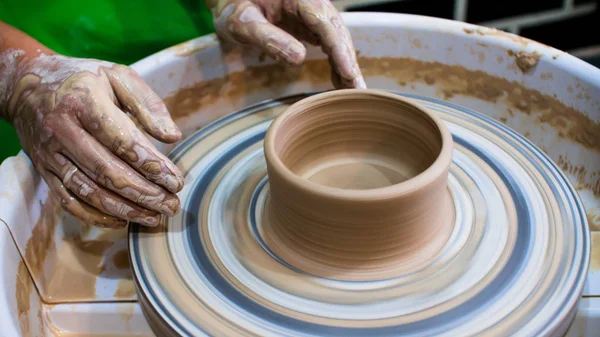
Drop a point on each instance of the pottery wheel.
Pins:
(515, 262)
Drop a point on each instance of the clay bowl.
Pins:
(358, 185)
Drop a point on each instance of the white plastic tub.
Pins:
(59, 277)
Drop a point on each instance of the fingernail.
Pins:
(172, 134)
(295, 53)
(173, 130)
(152, 221)
(174, 183)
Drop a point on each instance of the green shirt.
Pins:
(122, 31)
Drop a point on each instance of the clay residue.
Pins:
(584, 180)
(546, 76)
(483, 31)
(186, 49)
(429, 80)
(78, 266)
(416, 43)
(480, 56)
(525, 60)
(452, 80)
(121, 259)
(39, 247)
(595, 258)
(457, 80)
(593, 221)
(125, 288)
(24, 288)
(126, 312)
(41, 243)
(471, 31)
(239, 84)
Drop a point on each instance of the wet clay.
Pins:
(483, 31)
(580, 173)
(41, 245)
(79, 264)
(524, 60)
(358, 185)
(38, 249)
(125, 288)
(595, 258)
(126, 313)
(24, 290)
(121, 259)
(450, 80)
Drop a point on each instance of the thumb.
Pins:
(245, 23)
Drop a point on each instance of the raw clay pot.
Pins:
(358, 185)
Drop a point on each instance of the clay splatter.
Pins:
(121, 259)
(595, 259)
(524, 60)
(74, 277)
(125, 288)
(24, 289)
(452, 80)
(41, 245)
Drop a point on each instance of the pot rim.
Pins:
(430, 174)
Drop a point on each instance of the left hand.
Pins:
(276, 25)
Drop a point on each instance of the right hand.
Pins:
(70, 116)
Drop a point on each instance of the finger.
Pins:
(335, 77)
(105, 201)
(298, 30)
(113, 129)
(138, 99)
(323, 19)
(79, 210)
(107, 170)
(244, 22)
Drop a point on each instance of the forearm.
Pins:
(211, 3)
(15, 46)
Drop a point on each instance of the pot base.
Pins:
(313, 254)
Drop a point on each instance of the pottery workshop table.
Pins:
(58, 276)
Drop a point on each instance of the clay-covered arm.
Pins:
(276, 26)
(71, 118)
(22, 46)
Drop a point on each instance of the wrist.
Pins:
(14, 64)
(9, 68)
(16, 48)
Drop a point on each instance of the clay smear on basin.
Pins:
(449, 80)
(25, 289)
(358, 185)
(78, 267)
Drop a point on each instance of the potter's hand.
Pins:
(70, 116)
(315, 21)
